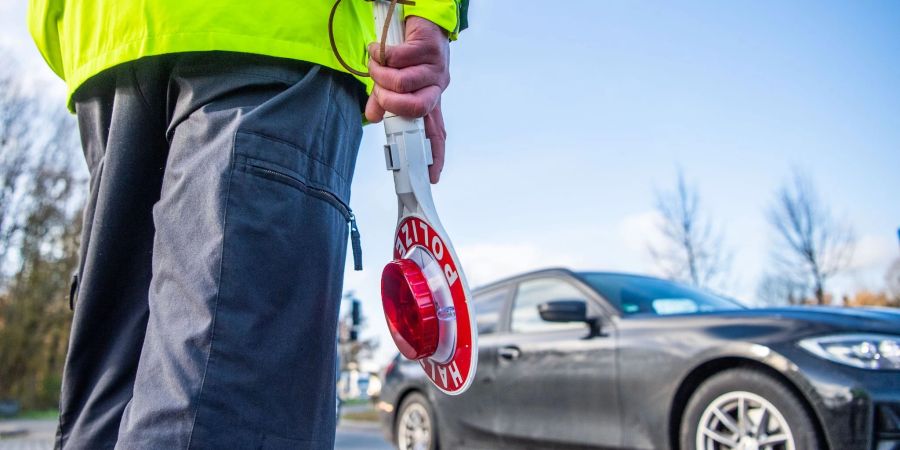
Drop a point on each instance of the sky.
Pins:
(564, 121)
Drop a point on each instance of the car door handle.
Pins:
(510, 353)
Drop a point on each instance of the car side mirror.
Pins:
(563, 311)
(570, 311)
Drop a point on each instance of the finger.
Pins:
(408, 79)
(408, 54)
(437, 134)
(374, 111)
(415, 104)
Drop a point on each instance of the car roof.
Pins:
(558, 271)
(509, 279)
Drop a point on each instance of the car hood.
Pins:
(879, 320)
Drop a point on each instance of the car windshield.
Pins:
(635, 295)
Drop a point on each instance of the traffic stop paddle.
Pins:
(423, 290)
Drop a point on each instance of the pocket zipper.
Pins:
(328, 197)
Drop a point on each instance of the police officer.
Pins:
(221, 138)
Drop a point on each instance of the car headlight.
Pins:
(866, 351)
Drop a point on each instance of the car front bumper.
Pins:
(858, 408)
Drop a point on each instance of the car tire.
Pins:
(415, 427)
(712, 418)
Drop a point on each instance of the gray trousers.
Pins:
(212, 256)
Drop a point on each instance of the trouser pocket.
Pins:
(268, 171)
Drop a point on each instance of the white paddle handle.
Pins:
(397, 30)
(407, 152)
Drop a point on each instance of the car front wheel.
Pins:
(416, 428)
(744, 409)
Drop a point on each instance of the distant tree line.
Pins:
(41, 195)
(809, 248)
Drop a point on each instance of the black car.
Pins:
(610, 360)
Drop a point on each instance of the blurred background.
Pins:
(749, 148)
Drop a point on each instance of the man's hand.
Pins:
(410, 80)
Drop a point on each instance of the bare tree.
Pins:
(693, 250)
(812, 245)
(41, 193)
(34, 313)
(16, 135)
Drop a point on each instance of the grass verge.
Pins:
(38, 414)
(362, 416)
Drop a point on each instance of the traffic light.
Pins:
(355, 319)
(356, 312)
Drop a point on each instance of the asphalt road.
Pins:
(360, 436)
(38, 435)
(27, 434)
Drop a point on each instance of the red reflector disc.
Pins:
(409, 309)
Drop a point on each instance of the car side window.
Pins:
(531, 293)
(488, 306)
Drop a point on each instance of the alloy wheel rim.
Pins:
(414, 430)
(743, 421)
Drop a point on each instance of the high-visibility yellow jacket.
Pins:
(80, 38)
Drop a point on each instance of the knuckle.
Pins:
(375, 55)
(397, 83)
(377, 74)
(418, 107)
